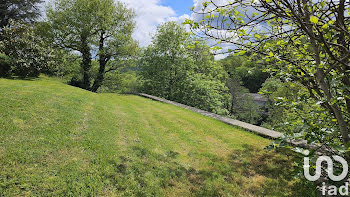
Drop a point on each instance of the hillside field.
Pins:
(58, 140)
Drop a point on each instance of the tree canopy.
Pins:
(23, 10)
(179, 68)
(102, 27)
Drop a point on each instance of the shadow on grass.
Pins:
(247, 172)
(21, 78)
(141, 172)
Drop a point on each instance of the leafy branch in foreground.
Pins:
(305, 41)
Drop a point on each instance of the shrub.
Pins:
(29, 54)
(5, 65)
(121, 81)
(204, 93)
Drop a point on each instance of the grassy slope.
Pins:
(60, 140)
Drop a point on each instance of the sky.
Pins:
(151, 13)
(181, 7)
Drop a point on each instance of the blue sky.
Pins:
(181, 7)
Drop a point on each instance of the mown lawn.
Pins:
(57, 140)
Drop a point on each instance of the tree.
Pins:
(72, 24)
(86, 26)
(28, 53)
(166, 61)
(179, 68)
(305, 41)
(23, 10)
(115, 27)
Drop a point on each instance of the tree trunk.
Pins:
(320, 77)
(86, 63)
(100, 76)
(103, 59)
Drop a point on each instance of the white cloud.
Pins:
(149, 14)
(180, 19)
(221, 54)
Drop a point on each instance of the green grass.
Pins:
(57, 140)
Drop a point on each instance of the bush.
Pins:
(121, 81)
(5, 65)
(204, 93)
(295, 113)
(29, 54)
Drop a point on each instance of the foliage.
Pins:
(247, 69)
(293, 112)
(166, 61)
(99, 26)
(244, 76)
(178, 68)
(71, 26)
(5, 65)
(19, 10)
(66, 65)
(29, 54)
(204, 93)
(115, 38)
(124, 79)
(122, 82)
(240, 104)
(312, 51)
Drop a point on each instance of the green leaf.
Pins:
(314, 19)
(242, 52)
(325, 26)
